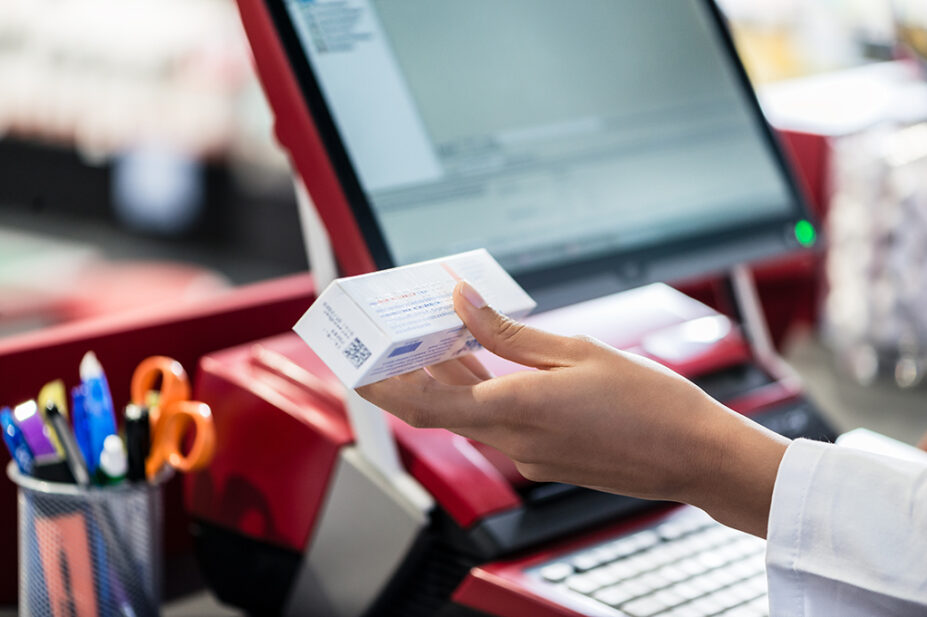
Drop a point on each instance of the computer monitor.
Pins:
(589, 145)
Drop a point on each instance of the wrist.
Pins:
(738, 472)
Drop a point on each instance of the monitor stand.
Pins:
(373, 438)
(749, 315)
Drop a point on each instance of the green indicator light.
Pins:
(805, 233)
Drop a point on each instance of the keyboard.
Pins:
(686, 565)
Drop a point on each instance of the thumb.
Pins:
(506, 337)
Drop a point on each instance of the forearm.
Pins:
(736, 472)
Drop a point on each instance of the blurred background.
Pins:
(136, 160)
(137, 164)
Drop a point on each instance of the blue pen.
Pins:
(98, 416)
(81, 426)
(16, 442)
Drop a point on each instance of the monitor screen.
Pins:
(579, 137)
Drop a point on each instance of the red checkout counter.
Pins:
(288, 519)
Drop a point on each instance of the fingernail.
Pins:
(471, 295)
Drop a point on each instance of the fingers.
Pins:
(508, 338)
(424, 402)
(456, 373)
(476, 367)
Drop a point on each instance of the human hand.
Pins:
(593, 416)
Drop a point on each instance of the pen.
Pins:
(138, 440)
(81, 425)
(54, 392)
(16, 442)
(98, 409)
(72, 453)
(34, 429)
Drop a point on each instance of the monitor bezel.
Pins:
(674, 260)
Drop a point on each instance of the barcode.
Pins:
(356, 353)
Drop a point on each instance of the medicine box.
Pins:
(374, 326)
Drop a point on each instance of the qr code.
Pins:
(356, 353)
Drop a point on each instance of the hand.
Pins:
(593, 416)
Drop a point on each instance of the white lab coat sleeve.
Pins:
(847, 534)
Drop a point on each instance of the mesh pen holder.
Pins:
(88, 551)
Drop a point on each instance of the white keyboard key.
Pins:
(646, 539)
(604, 553)
(623, 547)
(654, 581)
(755, 564)
(748, 546)
(760, 604)
(729, 574)
(615, 595)
(674, 551)
(671, 530)
(687, 590)
(585, 561)
(582, 584)
(686, 610)
(637, 588)
(708, 605)
(757, 584)
(706, 583)
(629, 567)
(669, 597)
(712, 559)
(649, 561)
(699, 542)
(692, 566)
(603, 576)
(644, 607)
(742, 591)
(556, 572)
(672, 574)
(689, 545)
(726, 599)
(731, 552)
(739, 611)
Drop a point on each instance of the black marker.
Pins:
(138, 441)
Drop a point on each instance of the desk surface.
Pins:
(901, 414)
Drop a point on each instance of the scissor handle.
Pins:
(175, 385)
(170, 433)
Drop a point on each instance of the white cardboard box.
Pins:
(374, 326)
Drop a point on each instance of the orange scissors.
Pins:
(172, 416)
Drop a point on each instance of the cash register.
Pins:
(598, 149)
